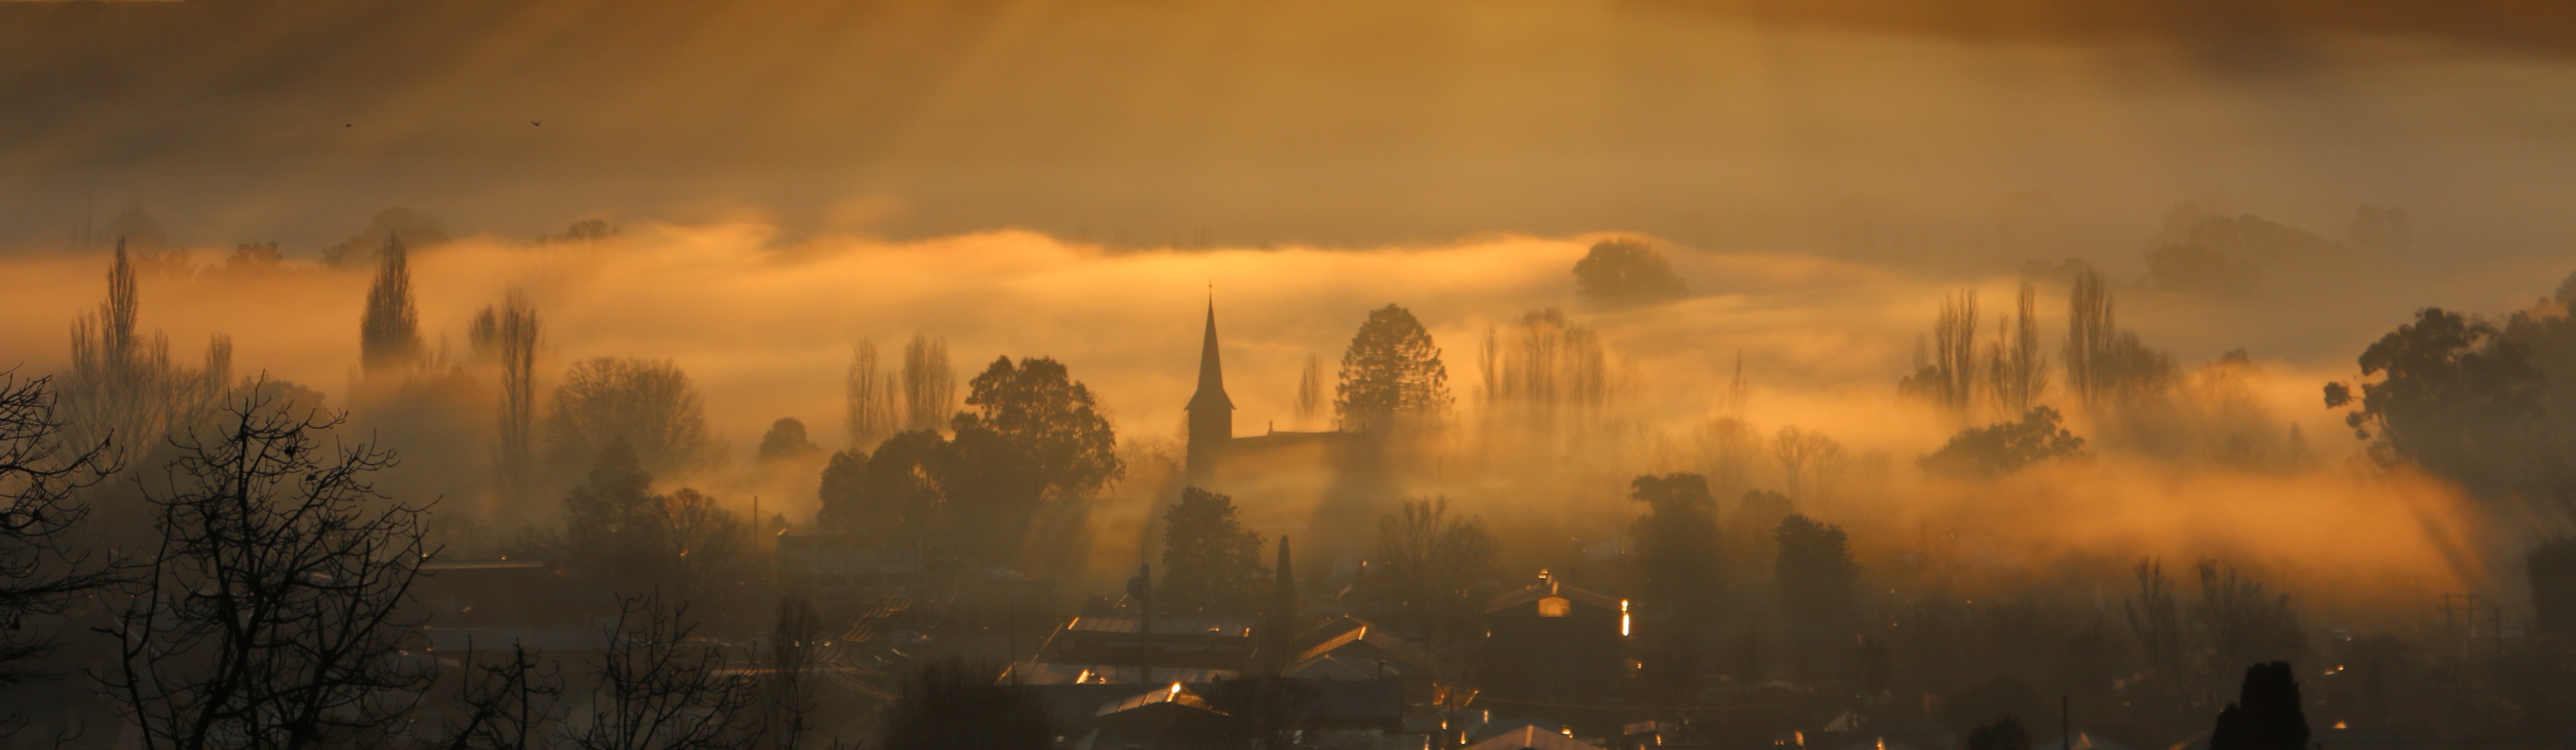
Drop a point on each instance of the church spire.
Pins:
(1211, 413)
(1211, 393)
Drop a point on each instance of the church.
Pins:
(1274, 473)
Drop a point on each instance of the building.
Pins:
(1551, 643)
(1191, 643)
(1266, 464)
(843, 565)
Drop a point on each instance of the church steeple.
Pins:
(1211, 412)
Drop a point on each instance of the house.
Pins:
(1367, 644)
(1164, 716)
(1216, 643)
(1554, 644)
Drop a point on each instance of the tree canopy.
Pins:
(1210, 562)
(1391, 373)
(1627, 272)
(2004, 448)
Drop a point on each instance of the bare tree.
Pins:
(122, 388)
(2155, 620)
(2090, 329)
(2017, 371)
(506, 704)
(790, 689)
(1432, 556)
(1310, 391)
(648, 403)
(389, 334)
(869, 398)
(270, 617)
(508, 336)
(929, 386)
(1809, 462)
(39, 574)
(2241, 623)
(1945, 372)
(659, 690)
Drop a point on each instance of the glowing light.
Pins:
(2339, 725)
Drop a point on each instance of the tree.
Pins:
(1677, 543)
(506, 704)
(1210, 563)
(272, 613)
(508, 335)
(2454, 397)
(928, 386)
(613, 521)
(659, 689)
(1947, 373)
(891, 495)
(1391, 374)
(2016, 370)
(1815, 572)
(1541, 365)
(2267, 714)
(869, 395)
(2240, 623)
(1809, 462)
(122, 389)
(422, 229)
(785, 440)
(705, 544)
(2105, 365)
(1626, 272)
(389, 334)
(2155, 621)
(40, 573)
(2551, 569)
(2002, 449)
(650, 404)
(1047, 419)
(1310, 391)
(790, 683)
(1432, 557)
(954, 705)
(1270, 713)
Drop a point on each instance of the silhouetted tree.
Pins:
(954, 705)
(2155, 621)
(272, 613)
(1432, 556)
(705, 546)
(2105, 365)
(1541, 365)
(1391, 374)
(1946, 373)
(611, 520)
(1035, 444)
(2232, 254)
(929, 387)
(1210, 563)
(2267, 714)
(508, 335)
(869, 397)
(786, 439)
(122, 389)
(1815, 572)
(1626, 271)
(2456, 398)
(660, 688)
(790, 684)
(2241, 623)
(891, 495)
(1677, 543)
(41, 572)
(647, 403)
(2551, 569)
(2000, 449)
(2016, 370)
(1809, 462)
(512, 703)
(389, 335)
(1310, 392)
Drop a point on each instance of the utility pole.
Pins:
(2065, 723)
(1142, 587)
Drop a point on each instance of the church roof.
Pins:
(1211, 394)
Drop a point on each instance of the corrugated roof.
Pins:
(1530, 738)
(1223, 627)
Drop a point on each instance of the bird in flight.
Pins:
(533, 122)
